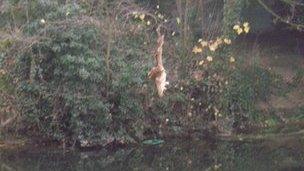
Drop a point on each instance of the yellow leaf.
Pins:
(160, 16)
(219, 41)
(201, 62)
(197, 50)
(246, 24)
(2, 72)
(178, 20)
(209, 58)
(236, 27)
(213, 47)
(247, 29)
(204, 43)
(227, 41)
(239, 31)
(232, 59)
(142, 16)
(42, 21)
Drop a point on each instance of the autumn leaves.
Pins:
(212, 46)
(239, 29)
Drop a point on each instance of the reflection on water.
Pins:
(283, 154)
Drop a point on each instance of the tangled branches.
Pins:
(287, 20)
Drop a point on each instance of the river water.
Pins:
(282, 153)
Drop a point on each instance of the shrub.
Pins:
(65, 88)
(245, 87)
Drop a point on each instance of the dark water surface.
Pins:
(276, 154)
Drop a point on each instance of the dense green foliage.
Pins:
(77, 71)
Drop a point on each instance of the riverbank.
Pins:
(176, 154)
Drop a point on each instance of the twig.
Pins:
(298, 26)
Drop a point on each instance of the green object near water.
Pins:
(153, 142)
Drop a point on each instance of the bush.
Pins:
(65, 88)
(80, 72)
(245, 87)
